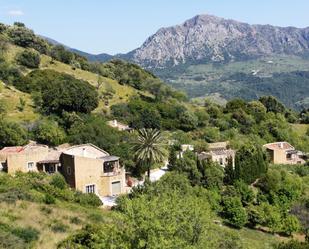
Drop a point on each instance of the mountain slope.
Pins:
(206, 38)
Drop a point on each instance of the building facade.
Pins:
(89, 169)
(220, 153)
(284, 153)
(22, 158)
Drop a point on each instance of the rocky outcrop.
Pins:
(207, 38)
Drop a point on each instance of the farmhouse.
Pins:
(92, 170)
(220, 153)
(284, 153)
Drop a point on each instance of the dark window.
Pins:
(90, 189)
(69, 170)
(108, 167)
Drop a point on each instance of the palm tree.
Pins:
(149, 148)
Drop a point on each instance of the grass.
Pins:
(11, 98)
(54, 225)
(300, 129)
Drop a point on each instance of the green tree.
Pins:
(234, 212)
(12, 134)
(149, 148)
(28, 58)
(49, 132)
(290, 225)
(250, 163)
(272, 104)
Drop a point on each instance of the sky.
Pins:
(119, 26)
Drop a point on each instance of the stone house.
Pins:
(90, 169)
(22, 158)
(220, 153)
(284, 153)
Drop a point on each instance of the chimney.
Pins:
(115, 122)
(84, 152)
(281, 145)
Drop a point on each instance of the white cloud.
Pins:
(16, 13)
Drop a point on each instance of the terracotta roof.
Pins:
(15, 149)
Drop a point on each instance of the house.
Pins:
(220, 153)
(51, 163)
(284, 153)
(184, 148)
(120, 126)
(90, 169)
(22, 158)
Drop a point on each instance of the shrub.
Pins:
(58, 181)
(49, 199)
(29, 59)
(12, 134)
(88, 199)
(75, 220)
(234, 212)
(49, 132)
(27, 234)
(58, 227)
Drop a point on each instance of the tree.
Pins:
(272, 104)
(48, 132)
(29, 59)
(234, 212)
(149, 148)
(12, 134)
(172, 158)
(291, 224)
(250, 163)
(229, 173)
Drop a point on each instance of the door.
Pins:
(116, 188)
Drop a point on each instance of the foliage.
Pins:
(29, 59)
(250, 163)
(48, 132)
(60, 92)
(149, 148)
(12, 134)
(234, 212)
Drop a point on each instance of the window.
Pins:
(30, 166)
(221, 161)
(108, 167)
(69, 170)
(90, 189)
(51, 168)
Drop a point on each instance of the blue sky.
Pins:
(118, 26)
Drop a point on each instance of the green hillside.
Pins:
(249, 79)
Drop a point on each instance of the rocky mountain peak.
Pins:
(207, 38)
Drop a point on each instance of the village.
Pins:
(90, 169)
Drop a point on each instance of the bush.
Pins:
(75, 220)
(27, 234)
(29, 59)
(58, 227)
(88, 199)
(49, 132)
(234, 212)
(49, 199)
(58, 181)
(12, 134)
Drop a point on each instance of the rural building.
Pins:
(184, 148)
(120, 126)
(22, 158)
(284, 153)
(92, 170)
(220, 153)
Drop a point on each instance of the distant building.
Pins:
(118, 125)
(220, 153)
(22, 158)
(284, 153)
(92, 170)
(184, 148)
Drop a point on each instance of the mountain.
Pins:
(207, 38)
(103, 57)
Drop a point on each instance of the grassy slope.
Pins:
(25, 214)
(11, 96)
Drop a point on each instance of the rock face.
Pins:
(206, 38)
